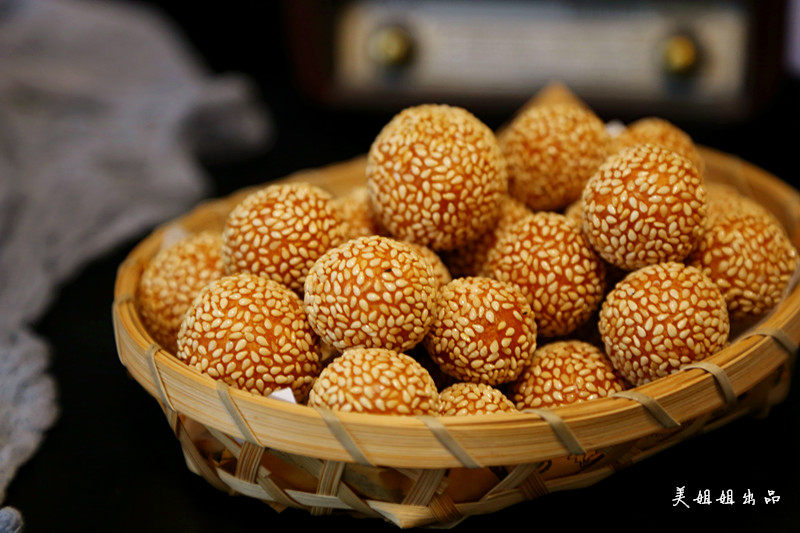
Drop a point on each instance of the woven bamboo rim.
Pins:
(493, 440)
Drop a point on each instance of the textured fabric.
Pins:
(101, 112)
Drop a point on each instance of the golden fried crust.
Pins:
(660, 318)
(645, 205)
(750, 259)
(565, 372)
(484, 331)
(435, 176)
(374, 380)
(464, 399)
(551, 151)
(279, 231)
(172, 279)
(549, 259)
(371, 292)
(251, 333)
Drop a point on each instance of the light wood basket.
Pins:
(420, 471)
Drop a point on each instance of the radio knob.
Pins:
(390, 46)
(680, 54)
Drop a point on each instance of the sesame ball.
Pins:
(470, 260)
(371, 292)
(440, 271)
(378, 381)
(172, 279)
(549, 259)
(565, 372)
(645, 205)
(749, 257)
(463, 399)
(483, 331)
(279, 231)
(724, 201)
(660, 132)
(435, 176)
(354, 209)
(551, 151)
(251, 333)
(660, 318)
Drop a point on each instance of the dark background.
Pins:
(111, 463)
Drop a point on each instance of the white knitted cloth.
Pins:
(96, 104)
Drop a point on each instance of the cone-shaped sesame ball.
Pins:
(378, 381)
(749, 257)
(658, 131)
(483, 331)
(645, 205)
(172, 279)
(440, 271)
(371, 292)
(251, 333)
(660, 318)
(551, 262)
(463, 399)
(279, 231)
(435, 176)
(565, 372)
(469, 260)
(550, 152)
(355, 211)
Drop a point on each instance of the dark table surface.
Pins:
(111, 463)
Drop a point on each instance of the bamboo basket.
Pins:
(425, 471)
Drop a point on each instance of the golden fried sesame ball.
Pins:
(724, 201)
(463, 399)
(565, 372)
(435, 176)
(551, 262)
(645, 205)
(658, 131)
(279, 231)
(749, 257)
(483, 331)
(660, 318)
(470, 259)
(251, 333)
(371, 292)
(551, 151)
(354, 209)
(440, 271)
(378, 381)
(172, 279)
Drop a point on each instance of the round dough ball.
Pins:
(645, 205)
(464, 399)
(170, 282)
(750, 259)
(658, 131)
(371, 292)
(661, 318)
(483, 331)
(251, 333)
(551, 151)
(378, 381)
(565, 372)
(551, 262)
(280, 231)
(435, 176)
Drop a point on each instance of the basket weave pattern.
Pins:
(413, 471)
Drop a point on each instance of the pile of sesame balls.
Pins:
(476, 273)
